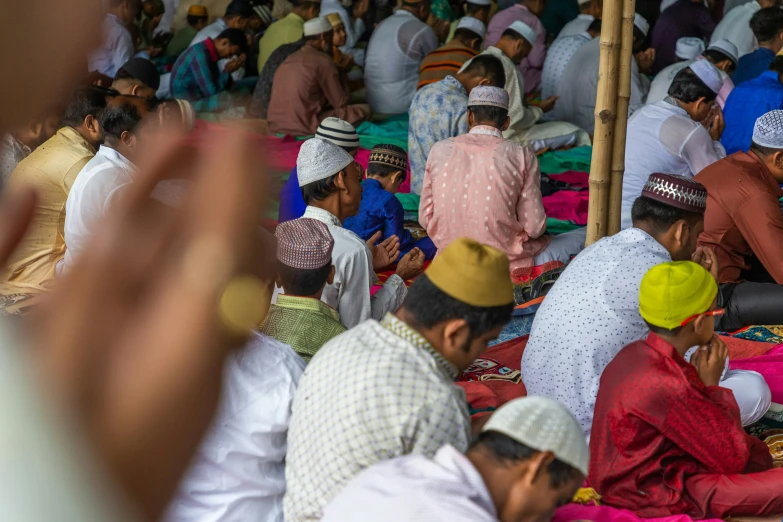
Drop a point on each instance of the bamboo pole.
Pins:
(621, 120)
(606, 98)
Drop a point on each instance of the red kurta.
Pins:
(665, 444)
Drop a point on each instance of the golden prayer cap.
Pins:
(475, 274)
(334, 19)
(197, 10)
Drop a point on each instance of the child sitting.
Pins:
(667, 439)
(380, 211)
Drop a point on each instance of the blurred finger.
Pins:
(16, 211)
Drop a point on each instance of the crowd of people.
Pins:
(204, 364)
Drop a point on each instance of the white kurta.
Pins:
(659, 88)
(557, 57)
(239, 470)
(663, 138)
(577, 25)
(735, 27)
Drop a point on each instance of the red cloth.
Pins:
(752, 494)
(770, 366)
(575, 178)
(657, 425)
(568, 205)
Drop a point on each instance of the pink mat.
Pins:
(609, 514)
(770, 365)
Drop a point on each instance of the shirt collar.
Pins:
(765, 173)
(211, 49)
(324, 216)
(372, 183)
(72, 134)
(402, 330)
(449, 79)
(309, 304)
(296, 17)
(486, 130)
(456, 463)
(113, 156)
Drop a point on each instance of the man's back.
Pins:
(557, 57)
(684, 18)
(752, 65)
(590, 313)
(578, 88)
(735, 27)
(286, 30)
(746, 103)
(443, 61)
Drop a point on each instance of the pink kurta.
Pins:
(485, 187)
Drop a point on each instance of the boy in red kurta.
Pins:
(666, 438)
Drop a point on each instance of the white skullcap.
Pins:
(726, 47)
(317, 25)
(544, 425)
(707, 73)
(583, 2)
(768, 130)
(319, 159)
(472, 24)
(689, 47)
(524, 30)
(641, 23)
(667, 4)
(479, 2)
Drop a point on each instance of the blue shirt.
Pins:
(745, 104)
(752, 65)
(292, 205)
(379, 210)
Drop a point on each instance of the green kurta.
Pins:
(286, 30)
(181, 41)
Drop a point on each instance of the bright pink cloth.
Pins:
(609, 514)
(569, 205)
(533, 64)
(770, 366)
(482, 186)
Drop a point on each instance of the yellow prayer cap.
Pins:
(334, 19)
(197, 10)
(475, 274)
(672, 292)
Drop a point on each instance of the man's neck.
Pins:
(771, 45)
(316, 296)
(499, 487)
(681, 343)
(649, 229)
(503, 45)
(85, 135)
(300, 12)
(312, 45)
(332, 205)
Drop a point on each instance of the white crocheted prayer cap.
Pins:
(318, 159)
(689, 47)
(583, 2)
(479, 2)
(707, 73)
(641, 23)
(545, 425)
(472, 24)
(726, 47)
(317, 25)
(524, 30)
(768, 130)
(667, 4)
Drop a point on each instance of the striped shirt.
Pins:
(444, 61)
(196, 77)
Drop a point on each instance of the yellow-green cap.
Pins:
(674, 291)
(472, 273)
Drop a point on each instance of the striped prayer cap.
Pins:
(339, 132)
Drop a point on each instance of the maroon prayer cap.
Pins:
(676, 191)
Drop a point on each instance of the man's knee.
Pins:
(751, 392)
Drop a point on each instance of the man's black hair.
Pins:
(306, 4)
(193, 19)
(383, 170)
(510, 33)
(122, 116)
(688, 87)
(238, 9)
(319, 190)
(660, 215)
(639, 40)
(488, 115)
(504, 449)
(235, 37)
(85, 101)
(595, 26)
(427, 306)
(472, 9)
(767, 23)
(763, 151)
(717, 56)
(489, 67)
(660, 330)
(302, 282)
(465, 35)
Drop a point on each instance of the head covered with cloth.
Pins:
(696, 88)
(304, 257)
(462, 301)
(767, 142)
(329, 177)
(488, 106)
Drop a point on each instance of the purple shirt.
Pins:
(685, 18)
(533, 64)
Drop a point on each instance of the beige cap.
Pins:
(544, 425)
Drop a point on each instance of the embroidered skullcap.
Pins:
(768, 130)
(479, 2)
(339, 132)
(472, 273)
(524, 30)
(726, 47)
(689, 47)
(486, 95)
(319, 159)
(676, 191)
(316, 26)
(667, 4)
(472, 24)
(389, 155)
(543, 424)
(304, 243)
(198, 10)
(641, 23)
(672, 292)
(334, 20)
(708, 74)
(263, 13)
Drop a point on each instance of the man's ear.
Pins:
(339, 180)
(456, 333)
(330, 277)
(506, 125)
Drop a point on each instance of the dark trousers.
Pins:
(758, 299)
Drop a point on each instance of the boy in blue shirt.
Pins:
(380, 210)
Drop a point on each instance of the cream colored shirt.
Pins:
(51, 170)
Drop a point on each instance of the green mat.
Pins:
(393, 130)
(559, 161)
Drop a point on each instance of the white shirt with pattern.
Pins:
(557, 57)
(577, 25)
(396, 397)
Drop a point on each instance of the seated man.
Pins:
(510, 448)
(197, 19)
(117, 46)
(380, 211)
(440, 110)
(196, 76)
(238, 473)
(238, 13)
(749, 102)
(287, 30)
(448, 59)
(590, 11)
(478, 9)
(744, 225)
(668, 136)
(51, 169)
(304, 267)
(767, 26)
(735, 25)
(483, 186)
(330, 180)
(560, 53)
(401, 397)
(307, 87)
(138, 77)
(592, 311)
(515, 44)
(259, 104)
(667, 439)
(682, 19)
